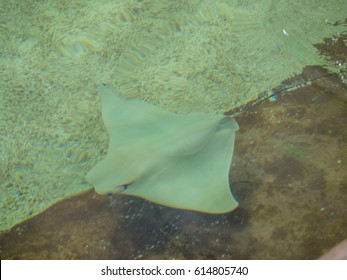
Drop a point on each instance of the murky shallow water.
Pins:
(288, 171)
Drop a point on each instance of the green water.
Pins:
(184, 56)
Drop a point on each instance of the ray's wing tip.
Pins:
(229, 123)
(103, 88)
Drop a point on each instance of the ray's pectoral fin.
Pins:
(180, 161)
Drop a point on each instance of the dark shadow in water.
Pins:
(288, 174)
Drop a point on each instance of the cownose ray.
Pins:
(181, 161)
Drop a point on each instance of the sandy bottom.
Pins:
(288, 173)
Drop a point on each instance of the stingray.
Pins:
(176, 160)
